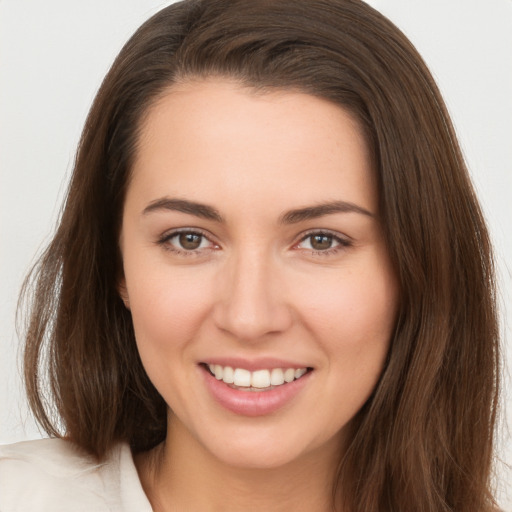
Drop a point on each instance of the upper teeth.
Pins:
(257, 379)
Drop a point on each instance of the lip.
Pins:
(262, 363)
(253, 403)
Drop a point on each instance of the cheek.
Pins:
(167, 308)
(364, 306)
(352, 317)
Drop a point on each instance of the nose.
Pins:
(251, 300)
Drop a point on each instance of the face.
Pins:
(255, 269)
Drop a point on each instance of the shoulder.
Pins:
(55, 475)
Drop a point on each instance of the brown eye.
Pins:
(321, 242)
(187, 243)
(190, 241)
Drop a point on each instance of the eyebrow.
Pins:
(182, 205)
(291, 217)
(313, 212)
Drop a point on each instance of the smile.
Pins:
(274, 388)
(259, 380)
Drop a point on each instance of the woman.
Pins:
(271, 283)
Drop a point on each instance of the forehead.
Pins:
(206, 138)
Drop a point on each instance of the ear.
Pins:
(123, 292)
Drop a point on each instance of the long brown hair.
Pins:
(424, 439)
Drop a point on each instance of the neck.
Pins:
(181, 475)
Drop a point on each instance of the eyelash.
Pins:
(164, 241)
(343, 243)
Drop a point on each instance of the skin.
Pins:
(257, 285)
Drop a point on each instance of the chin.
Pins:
(266, 457)
(267, 448)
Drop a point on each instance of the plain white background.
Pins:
(54, 54)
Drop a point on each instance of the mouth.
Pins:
(256, 381)
(256, 388)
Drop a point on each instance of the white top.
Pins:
(53, 475)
